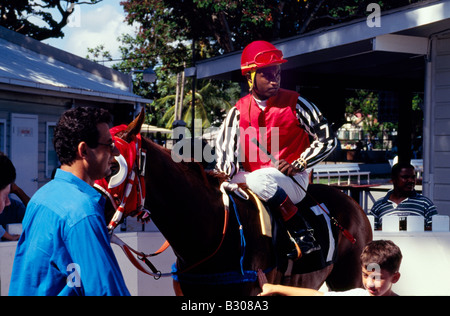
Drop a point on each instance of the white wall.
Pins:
(7, 251)
(437, 144)
(426, 258)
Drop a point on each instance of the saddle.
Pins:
(325, 233)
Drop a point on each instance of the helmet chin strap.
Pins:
(251, 81)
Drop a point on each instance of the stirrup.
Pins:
(304, 243)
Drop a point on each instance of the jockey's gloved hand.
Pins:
(286, 168)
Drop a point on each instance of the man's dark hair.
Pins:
(75, 126)
(398, 167)
(7, 171)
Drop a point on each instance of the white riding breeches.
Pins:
(264, 183)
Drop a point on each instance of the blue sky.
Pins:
(94, 25)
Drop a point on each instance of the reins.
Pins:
(142, 257)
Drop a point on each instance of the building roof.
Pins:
(27, 64)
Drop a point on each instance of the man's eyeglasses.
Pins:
(111, 146)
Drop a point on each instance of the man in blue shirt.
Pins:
(65, 248)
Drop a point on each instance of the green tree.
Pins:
(38, 19)
(365, 103)
(99, 54)
(210, 104)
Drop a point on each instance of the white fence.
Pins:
(339, 171)
(393, 223)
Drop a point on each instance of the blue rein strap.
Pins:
(231, 277)
(241, 232)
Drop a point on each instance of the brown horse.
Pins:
(186, 205)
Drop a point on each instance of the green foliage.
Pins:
(98, 54)
(212, 100)
(35, 18)
(365, 104)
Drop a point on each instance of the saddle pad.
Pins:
(264, 217)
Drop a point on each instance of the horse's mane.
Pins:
(211, 178)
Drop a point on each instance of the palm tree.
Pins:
(212, 101)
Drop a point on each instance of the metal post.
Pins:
(404, 126)
(194, 80)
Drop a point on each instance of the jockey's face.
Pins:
(102, 157)
(267, 82)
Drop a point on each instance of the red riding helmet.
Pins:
(259, 54)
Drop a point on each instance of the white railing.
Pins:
(393, 223)
(338, 171)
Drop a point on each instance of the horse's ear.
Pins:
(134, 127)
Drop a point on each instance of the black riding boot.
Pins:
(299, 230)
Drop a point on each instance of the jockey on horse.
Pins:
(284, 122)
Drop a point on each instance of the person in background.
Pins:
(7, 178)
(14, 213)
(403, 200)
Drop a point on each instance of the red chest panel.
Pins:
(276, 128)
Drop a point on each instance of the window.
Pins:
(52, 159)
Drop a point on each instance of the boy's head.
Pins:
(380, 262)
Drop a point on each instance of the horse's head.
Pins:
(125, 188)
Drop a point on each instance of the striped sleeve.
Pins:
(312, 120)
(227, 144)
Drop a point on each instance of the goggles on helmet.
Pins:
(263, 59)
(268, 57)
